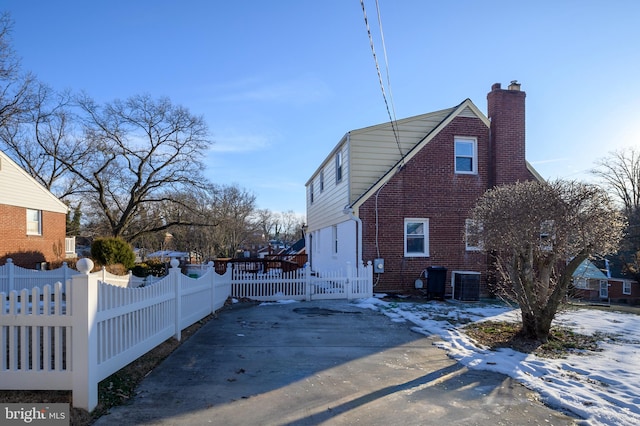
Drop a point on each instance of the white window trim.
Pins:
(467, 224)
(474, 159)
(311, 195)
(339, 167)
(321, 181)
(581, 283)
(334, 240)
(39, 222)
(547, 235)
(425, 223)
(626, 287)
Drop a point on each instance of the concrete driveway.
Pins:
(322, 362)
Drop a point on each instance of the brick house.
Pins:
(32, 219)
(604, 281)
(399, 195)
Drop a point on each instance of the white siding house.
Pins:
(18, 188)
(358, 162)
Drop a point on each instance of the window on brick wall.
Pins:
(416, 237)
(34, 222)
(466, 155)
(473, 230)
(626, 287)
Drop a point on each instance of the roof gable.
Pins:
(18, 188)
(589, 271)
(444, 117)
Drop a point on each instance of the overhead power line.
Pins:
(390, 110)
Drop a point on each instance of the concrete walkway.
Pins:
(322, 362)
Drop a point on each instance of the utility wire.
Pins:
(392, 117)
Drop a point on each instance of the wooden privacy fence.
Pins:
(301, 284)
(52, 339)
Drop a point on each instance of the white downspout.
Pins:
(349, 211)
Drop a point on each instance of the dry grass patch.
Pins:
(501, 334)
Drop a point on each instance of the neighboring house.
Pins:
(400, 195)
(589, 283)
(32, 219)
(602, 280)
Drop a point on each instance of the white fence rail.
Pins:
(72, 334)
(50, 339)
(13, 277)
(349, 283)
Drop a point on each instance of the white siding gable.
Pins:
(18, 188)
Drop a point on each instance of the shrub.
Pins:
(109, 251)
(150, 267)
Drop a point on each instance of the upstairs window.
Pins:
(466, 156)
(416, 237)
(321, 180)
(311, 192)
(338, 167)
(34, 222)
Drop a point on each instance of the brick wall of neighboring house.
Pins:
(427, 187)
(28, 250)
(616, 293)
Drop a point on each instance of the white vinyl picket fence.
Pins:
(13, 277)
(302, 284)
(52, 339)
(71, 333)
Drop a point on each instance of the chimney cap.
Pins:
(514, 85)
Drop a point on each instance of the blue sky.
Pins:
(280, 82)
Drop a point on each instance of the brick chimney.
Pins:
(507, 140)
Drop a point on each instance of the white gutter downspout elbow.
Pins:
(349, 211)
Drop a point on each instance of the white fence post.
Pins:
(10, 275)
(347, 284)
(307, 281)
(84, 359)
(212, 282)
(175, 275)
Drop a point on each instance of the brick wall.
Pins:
(427, 187)
(27, 250)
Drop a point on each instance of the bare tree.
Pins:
(267, 222)
(15, 86)
(234, 212)
(138, 156)
(42, 138)
(620, 174)
(289, 228)
(539, 233)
